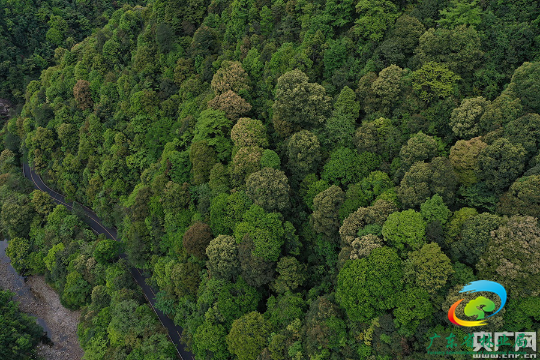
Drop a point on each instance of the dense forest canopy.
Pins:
(303, 179)
(31, 30)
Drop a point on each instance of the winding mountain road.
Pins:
(173, 330)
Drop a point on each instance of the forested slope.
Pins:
(31, 30)
(304, 179)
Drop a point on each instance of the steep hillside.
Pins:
(31, 30)
(303, 179)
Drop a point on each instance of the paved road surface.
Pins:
(95, 223)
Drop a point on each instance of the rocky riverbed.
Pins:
(38, 299)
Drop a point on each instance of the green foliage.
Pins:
(138, 112)
(222, 255)
(434, 81)
(379, 137)
(522, 197)
(521, 314)
(375, 17)
(197, 238)
(313, 190)
(203, 157)
(20, 332)
(461, 13)
(526, 132)
(270, 159)
(325, 328)
(445, 54)
(16, 217)
(208, 341)
(249, 132)
(465, 118)
(376, 185)
(525, 86)
(427, 268)
(500, 163)
(266, 231)
(214, 128)
(180, 15)
(369, 286)
(231, 76)
(254, 269)
(106, 251)
(475, 237)
(248, 336)
(414, 306)
(464, 156)
(76, 291)
(303, 151)
(501, 111)
(292, 274)
(338, 131)
(219, 179)
(326, 207)
(284, 309)
(18, 251)
(246, 161)
(478, 196)
(32, 32)
(424, 180)
(346, 166)
(510, 251)
(405, 230)
(419, 147)
(164, 38)
(346, 104)
(299, 104)
(269, 188)
(385, 92)
(227, 210)
(434, 209)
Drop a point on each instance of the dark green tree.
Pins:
(510, 256)
(525, 131)
(202, 157)
(269, 188)
(222, 255)
(303, 151)
(292, 274)
(197, 238)
(21, 333)
(298, 104)
(466, 118)
(525, 86)
(326, 207)
(106, 251)
(379, 137)
(376, 16)
(475, 238)
(427, 268)
(523, 197)
(424, 180)
(500, 163)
